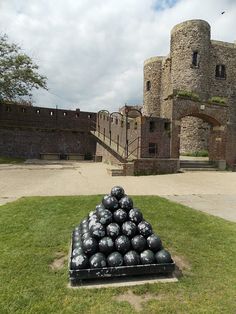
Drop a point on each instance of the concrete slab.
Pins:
(123, 282)
(223, 206)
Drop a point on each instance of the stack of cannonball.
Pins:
(116, 234)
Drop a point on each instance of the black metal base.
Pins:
(122, 271)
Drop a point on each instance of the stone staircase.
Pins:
(197, 165)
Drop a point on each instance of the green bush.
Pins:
(188, 94)
(200, 153)
(217, 100)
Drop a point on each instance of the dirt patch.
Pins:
(137, 301)
(59, 261)
(182, 265)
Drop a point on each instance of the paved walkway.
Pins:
(212, 192)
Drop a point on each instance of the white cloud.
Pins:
(93, 51)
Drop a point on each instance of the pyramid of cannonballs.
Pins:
(115, 234)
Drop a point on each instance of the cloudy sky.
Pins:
(92, 51)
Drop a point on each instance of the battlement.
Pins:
(12, 114)
(223, 44)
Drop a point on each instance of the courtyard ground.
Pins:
(212, 192)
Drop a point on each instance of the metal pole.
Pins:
(126, 131)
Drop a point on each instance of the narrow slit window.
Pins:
(148, 85)
(195, 59)
(220, 71)
(151, 126)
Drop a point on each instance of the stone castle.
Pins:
(189, 104)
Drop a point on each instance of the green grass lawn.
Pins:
(33, 231)
(10, 160)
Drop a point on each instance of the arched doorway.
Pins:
(215, 135)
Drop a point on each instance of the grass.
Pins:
(33, 230)
(200, 153)
(10, 160)
(188, 94)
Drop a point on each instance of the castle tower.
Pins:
(152, 86)
(190, 55)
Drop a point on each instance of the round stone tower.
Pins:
(189, 51)
(152, 86)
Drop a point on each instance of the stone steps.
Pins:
(197, 165)
(116, 172)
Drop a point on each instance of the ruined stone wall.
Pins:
(194, 135)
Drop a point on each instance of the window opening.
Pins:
(220, 71)
(151, 126)
(148, 85)
(195, 59)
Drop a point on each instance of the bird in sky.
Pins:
(223, 12)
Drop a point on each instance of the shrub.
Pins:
(217, 100)
(188, 94)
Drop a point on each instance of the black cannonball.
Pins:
(145, 228)
(90, 246)
(98, 260)
(120, 215)
(126, 203)
(154, 243)
(84, 221)
(77, 228)
(99, 207)
(139, 243)
(115, 259)
(113, 230)
(131, 258)
(129, 229)
(93, 222)
(77, 251)
(76, 233)
(76, 238)
(97, 230)
(86, 235)
(118, 192)
(76, 244)
(163, 257)
(84, 229)
(92, 213)
(135, 215)
(106, 245)
(79, 262)
(122, 244)
(147, 257)
(105, 217)
(110, 202)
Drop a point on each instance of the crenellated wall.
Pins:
(27, 131)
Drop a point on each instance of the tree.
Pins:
(18, 73)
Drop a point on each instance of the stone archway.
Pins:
(216, 117)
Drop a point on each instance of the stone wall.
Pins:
(29, 143)
(194, 135)
(29, 131)
(155, 166)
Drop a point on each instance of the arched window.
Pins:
(148, 85)
(220, 71)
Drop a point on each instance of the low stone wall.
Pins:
(150, 166)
